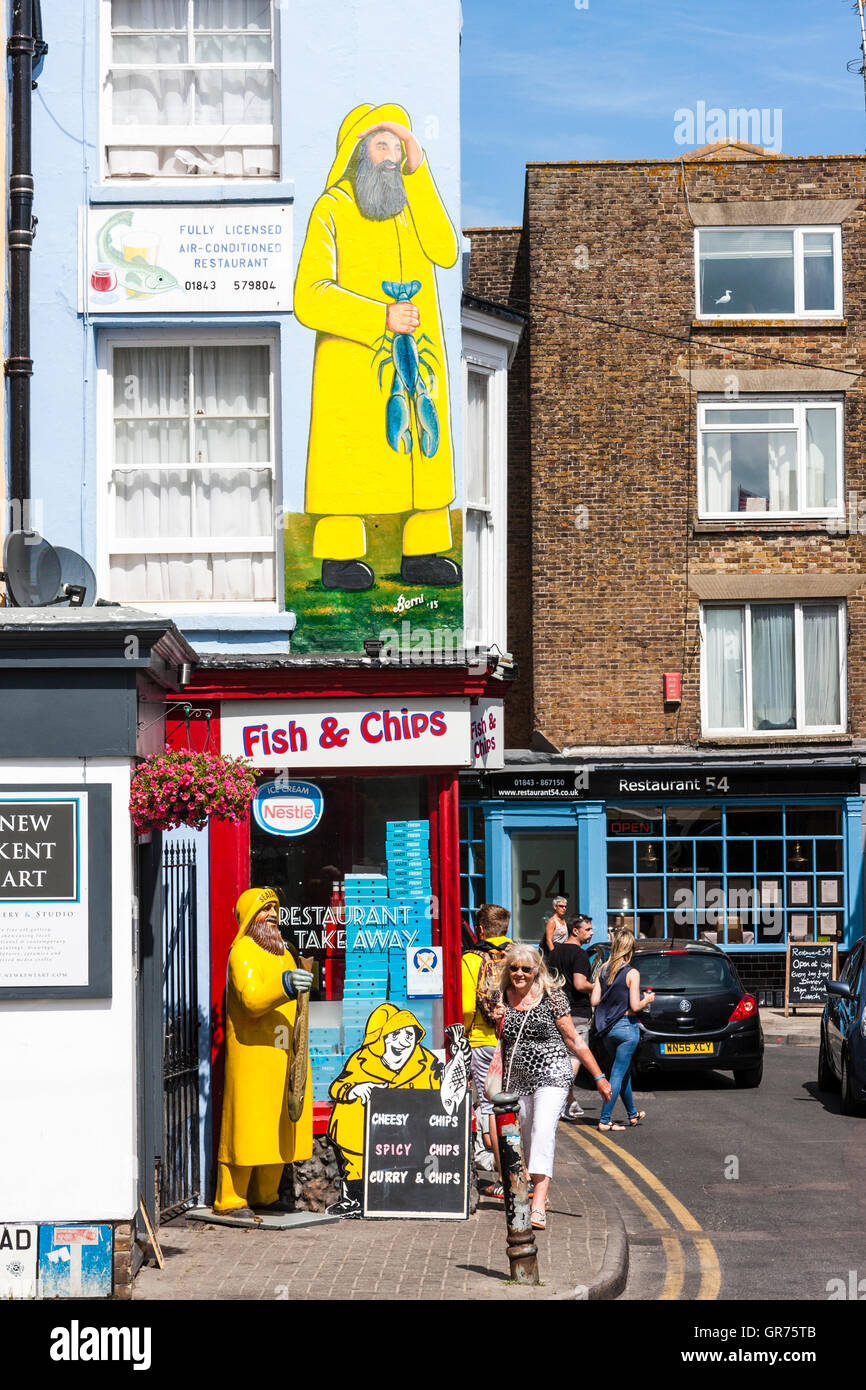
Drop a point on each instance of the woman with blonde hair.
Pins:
(537, 1035)
(616, 998)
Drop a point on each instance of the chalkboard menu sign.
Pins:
(808, 968)
(416, 1156)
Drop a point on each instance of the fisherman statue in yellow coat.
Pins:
(380, 430)
(391, 1055)
(257, 1138)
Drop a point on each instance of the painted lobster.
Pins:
(413, 380)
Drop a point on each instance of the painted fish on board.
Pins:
(136, 275)
(455, 1077)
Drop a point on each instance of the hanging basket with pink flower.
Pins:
(187, 788)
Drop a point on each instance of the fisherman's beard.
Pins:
(268, 937)
(379, 189)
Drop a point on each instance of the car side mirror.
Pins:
(841, 991)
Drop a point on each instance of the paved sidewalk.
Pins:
(803, 1028)
(582, 1254)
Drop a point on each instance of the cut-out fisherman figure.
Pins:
(380, 429)
(257, 1137)
(391, 1055)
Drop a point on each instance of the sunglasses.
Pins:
(521, 970)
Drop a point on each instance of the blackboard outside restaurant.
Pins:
(747, 855)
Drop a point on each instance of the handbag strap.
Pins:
(514, 1048)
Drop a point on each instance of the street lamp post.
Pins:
(520, 1239)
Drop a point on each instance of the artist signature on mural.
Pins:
(403, 604)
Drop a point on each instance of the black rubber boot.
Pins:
(430, 569)
(351, 575)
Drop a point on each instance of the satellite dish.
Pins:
(39, 575)
(75, 574)
(31, 570)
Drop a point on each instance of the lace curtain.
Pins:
(724, 629)
(175, 490)
(228, 32)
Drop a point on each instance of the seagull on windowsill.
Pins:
(725, 298)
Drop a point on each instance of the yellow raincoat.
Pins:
(420, 1072)
(351, 467)
(256, 1129)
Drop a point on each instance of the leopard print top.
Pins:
(540, 1058)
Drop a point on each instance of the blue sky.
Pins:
(544, 80)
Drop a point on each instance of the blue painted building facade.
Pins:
(113, 78)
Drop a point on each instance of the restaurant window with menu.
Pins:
(735, 875)
(355, 894)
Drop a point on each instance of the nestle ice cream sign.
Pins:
(288, 808)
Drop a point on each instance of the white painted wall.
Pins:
(67, 1067)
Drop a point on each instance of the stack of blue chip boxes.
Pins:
(376, 972)
(407, 850)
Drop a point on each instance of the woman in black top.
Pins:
(616, 998)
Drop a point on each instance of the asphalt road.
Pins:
(771, 1182)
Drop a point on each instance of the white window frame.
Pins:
(109, 544)
(137, 136)
(799, 404)
(799, 312)
(488, 353)
(800, 687)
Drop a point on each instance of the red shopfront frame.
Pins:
(229, 854)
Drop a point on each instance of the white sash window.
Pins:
(190, 89)
(772, 668)
(189, 512)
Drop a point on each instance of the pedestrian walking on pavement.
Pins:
(617, 1000)
(537, 1036)
(570, 959)
(555, 928)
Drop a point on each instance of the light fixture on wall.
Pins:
(649, 860)
(798, 858)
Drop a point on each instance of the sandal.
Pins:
(636, 1118)
(494, 1190)
(538, 1219)
(610, 1124)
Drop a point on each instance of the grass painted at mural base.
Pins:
(330, 620)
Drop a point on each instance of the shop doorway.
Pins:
(179, 1174)
(543, 867)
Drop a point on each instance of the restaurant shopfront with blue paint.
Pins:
(747, 857)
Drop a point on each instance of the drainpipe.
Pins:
(19, 365)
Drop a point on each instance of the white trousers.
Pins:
(539, 1116)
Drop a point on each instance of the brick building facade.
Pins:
(614, 510)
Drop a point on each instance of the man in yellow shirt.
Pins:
(479, 965)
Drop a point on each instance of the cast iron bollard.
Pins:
(520, 1240)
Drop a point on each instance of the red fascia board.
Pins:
(388, 683)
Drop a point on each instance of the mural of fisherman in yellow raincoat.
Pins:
(391, 1055)
(380, 429)
(257, 1137)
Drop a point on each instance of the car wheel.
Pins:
(850, 1105)
(827, 1079)
(749, 1077)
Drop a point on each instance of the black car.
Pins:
(701, 1016)
(842, 1053)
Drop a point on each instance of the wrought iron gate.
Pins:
(179, 1177)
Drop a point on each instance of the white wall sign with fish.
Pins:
(158, 260)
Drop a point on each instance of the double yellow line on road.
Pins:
(604, 1152)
